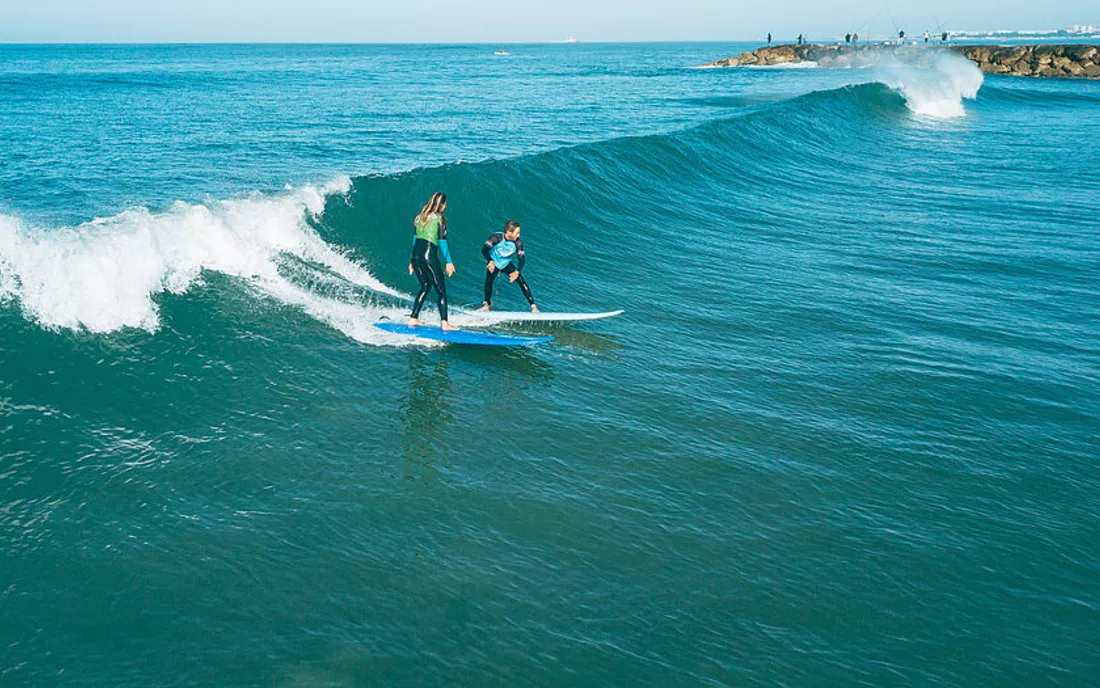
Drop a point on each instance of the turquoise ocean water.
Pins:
(847, 432)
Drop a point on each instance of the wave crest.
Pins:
(104, 275)
(933, 83)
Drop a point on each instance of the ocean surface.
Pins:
(846, 433)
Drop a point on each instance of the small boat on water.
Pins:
(502, 51)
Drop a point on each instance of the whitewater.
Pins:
(105, 274)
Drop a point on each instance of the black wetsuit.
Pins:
(508, 257)
(429, 272)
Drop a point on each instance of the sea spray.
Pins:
(933, 83)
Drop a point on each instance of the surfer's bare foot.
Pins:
(484, 307)
(448, 327)
(413, 322)
(534, 308)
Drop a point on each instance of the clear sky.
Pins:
(504, 21)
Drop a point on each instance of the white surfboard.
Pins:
(468, 318)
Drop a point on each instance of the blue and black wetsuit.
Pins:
(508, 257)
(431, 240)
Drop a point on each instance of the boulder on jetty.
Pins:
(1065, 61)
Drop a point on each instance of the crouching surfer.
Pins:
(504, 251)
(430, 228)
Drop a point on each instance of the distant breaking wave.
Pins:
(933, 89)
(933, 82)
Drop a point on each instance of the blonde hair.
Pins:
(434, 205)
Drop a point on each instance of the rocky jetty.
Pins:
(1077, 61)
(1066, 61)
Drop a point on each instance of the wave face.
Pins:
(106, 274)
(848, 418)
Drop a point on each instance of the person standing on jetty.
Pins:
(848, 37)
(505, 253)
(430, 230)
(769, 38)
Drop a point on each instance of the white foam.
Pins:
(808, 64)
(104, 275)
(355, 320)
(934, 83)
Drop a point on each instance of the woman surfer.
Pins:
(430, 228)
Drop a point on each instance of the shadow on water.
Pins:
(431, 405)
(591, 342)
(426, 408)
(566, 335)
(519, 360)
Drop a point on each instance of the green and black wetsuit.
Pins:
(431, 240)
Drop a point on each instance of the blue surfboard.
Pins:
(461, 336)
